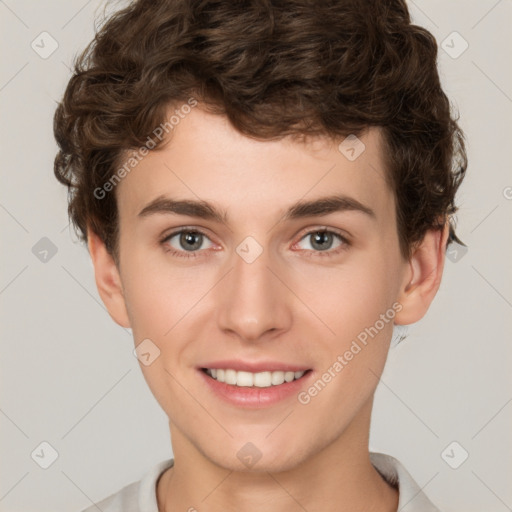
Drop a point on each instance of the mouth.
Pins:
(254, 384)
(244, 379)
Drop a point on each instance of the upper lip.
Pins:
(254, 367)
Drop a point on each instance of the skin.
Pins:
(294, 303)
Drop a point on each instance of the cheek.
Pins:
(352, 298)
(151, 312)
(352, 361)
(360, 312)
(157, 297)
(158, 307)
(366, 318)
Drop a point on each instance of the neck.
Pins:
(340, 477)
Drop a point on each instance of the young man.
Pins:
(266, 189)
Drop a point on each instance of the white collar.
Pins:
(411, 497)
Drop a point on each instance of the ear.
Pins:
(423, 277)
(108, 280)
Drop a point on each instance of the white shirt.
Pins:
(140, 496)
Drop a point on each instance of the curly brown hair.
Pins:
(274, 68)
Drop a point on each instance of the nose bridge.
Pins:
(253, 301)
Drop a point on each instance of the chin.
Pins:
(258, 457)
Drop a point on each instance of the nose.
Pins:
(253, 301)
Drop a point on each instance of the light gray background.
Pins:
(68, 373)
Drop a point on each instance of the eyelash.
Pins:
(311, 253)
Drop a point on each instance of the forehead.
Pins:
(206, 159)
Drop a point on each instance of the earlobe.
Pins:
(423, 278)
(108, 280)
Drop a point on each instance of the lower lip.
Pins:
(254, 397)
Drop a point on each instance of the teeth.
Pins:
(248, 379)
(242, 379)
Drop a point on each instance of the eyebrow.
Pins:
(301, 209)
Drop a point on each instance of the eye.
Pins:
(321, 241)
(187, 240)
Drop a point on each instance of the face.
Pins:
(264, 285)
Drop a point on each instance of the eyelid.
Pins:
(185, 229)
(313, 229)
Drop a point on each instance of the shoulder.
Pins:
(411, 497)
(139, 496)
(124, 500)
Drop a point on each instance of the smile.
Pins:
(262, 379)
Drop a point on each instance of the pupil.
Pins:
(320, 237)
(188, 239)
